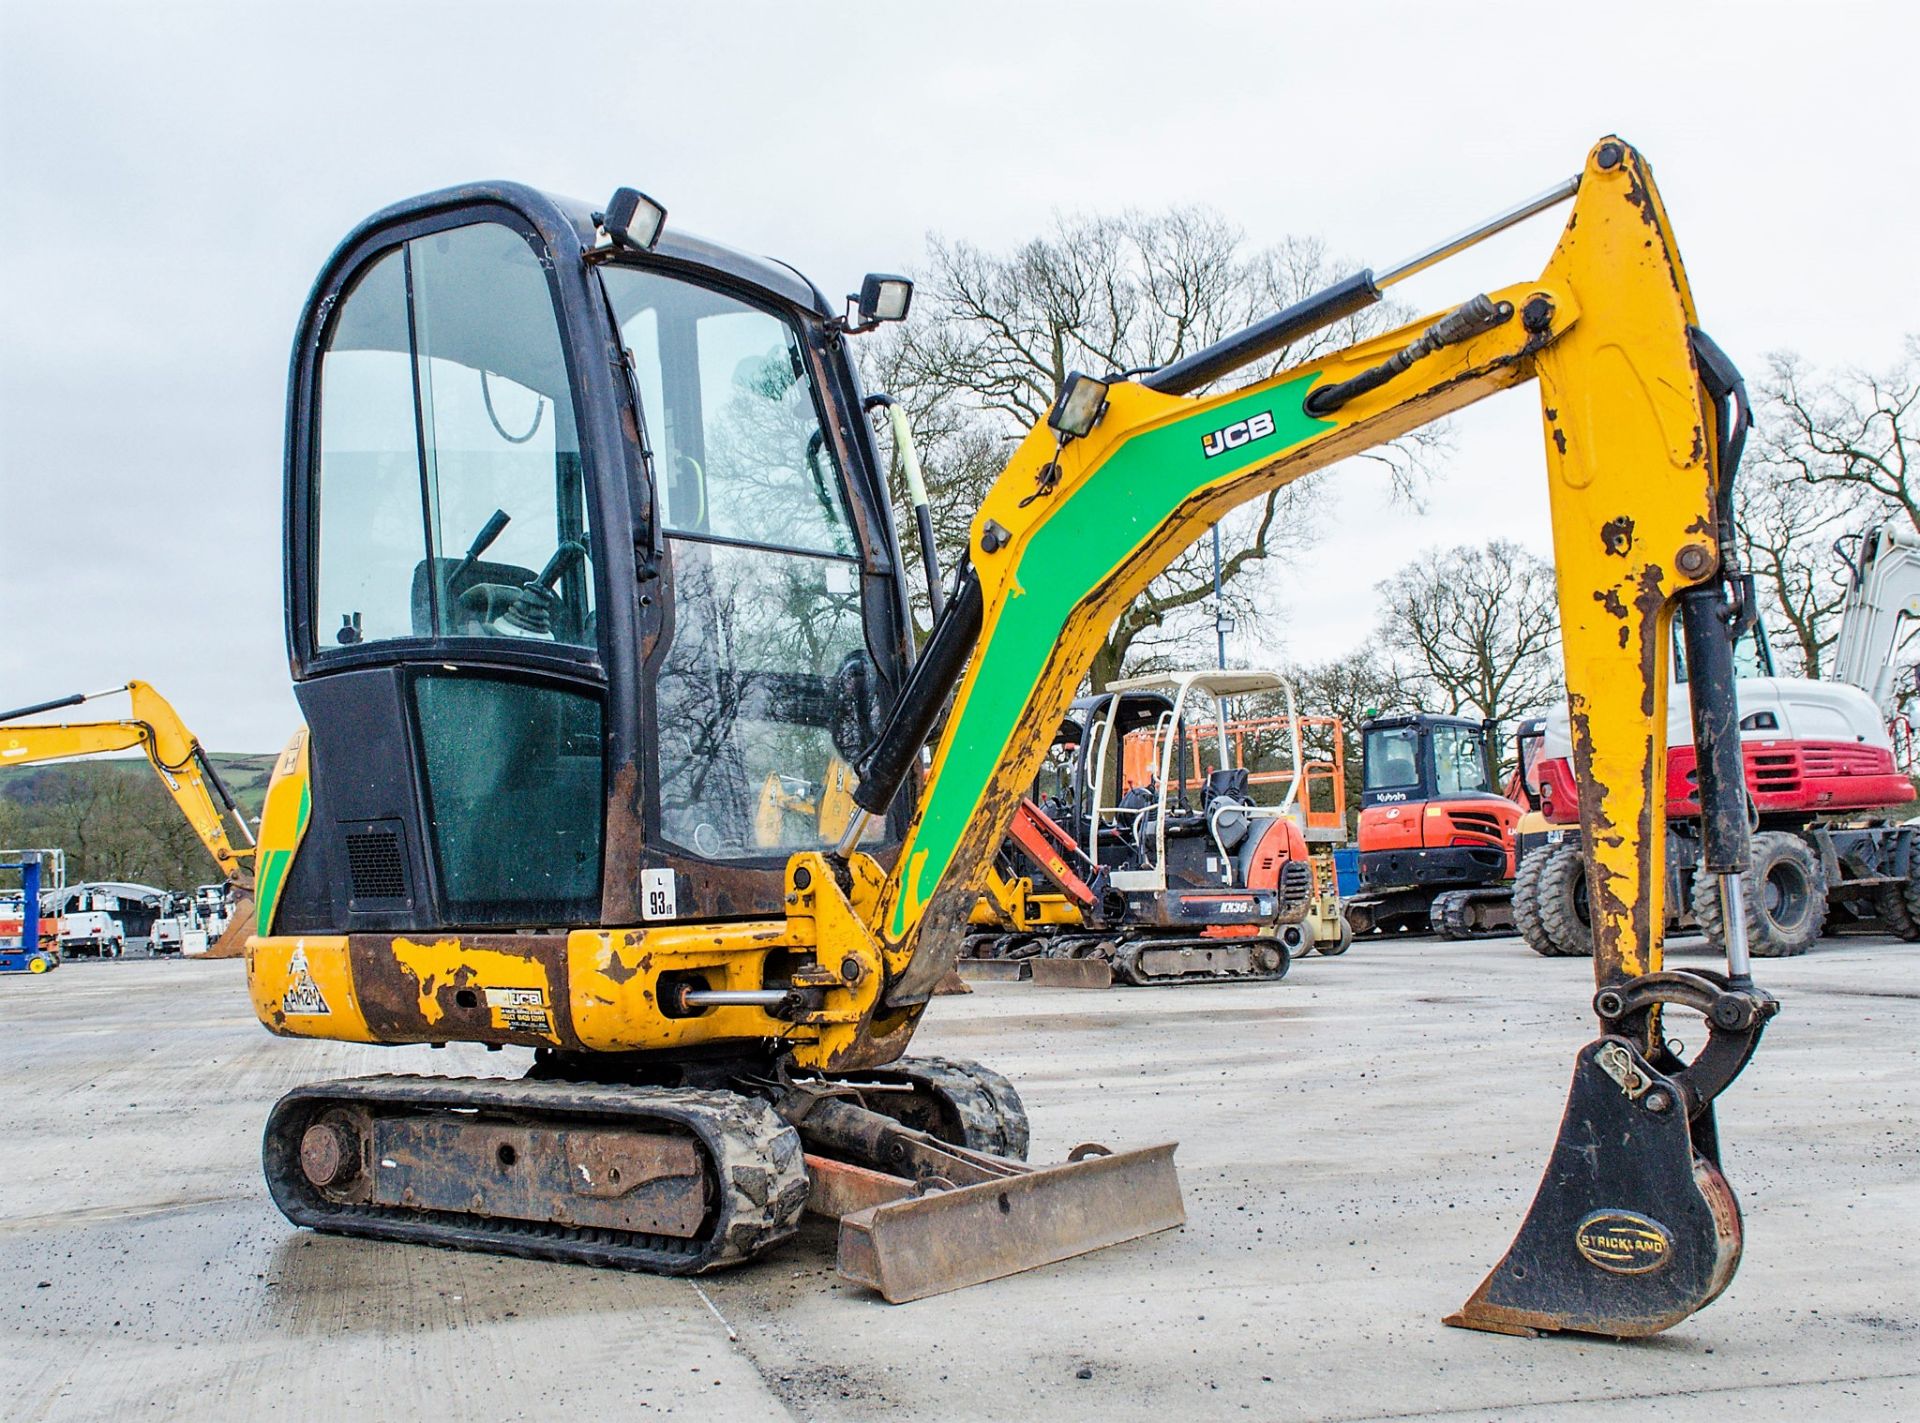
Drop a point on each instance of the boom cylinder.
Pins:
(1264, 337)
(884, 766)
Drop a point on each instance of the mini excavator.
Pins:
(587, 536)
(1157, 868)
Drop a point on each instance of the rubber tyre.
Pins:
(1786, 898)
(1561, 885)
(1341, 944)
(39, 963)
(1526, 900)
(1894, 904)
(1899, 905)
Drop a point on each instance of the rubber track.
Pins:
(1125, 960)
(1449, 913)
(754, 1158)
(991, 1114)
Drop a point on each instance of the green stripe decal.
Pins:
(1079, 545)
(273, 868)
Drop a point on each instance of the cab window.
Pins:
(766, 691)
(1393, 758)
(1460, 761)
(449, 493)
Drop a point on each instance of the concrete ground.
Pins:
(1357, 1145)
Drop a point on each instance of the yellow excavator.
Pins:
(587, 535)
(153, 727)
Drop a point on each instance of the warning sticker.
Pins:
(303, 996)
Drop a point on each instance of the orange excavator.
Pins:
(1436, 837)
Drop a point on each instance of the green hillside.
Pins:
(115, 819)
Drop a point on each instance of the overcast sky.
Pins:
(172, 176)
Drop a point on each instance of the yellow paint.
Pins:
(270, 975)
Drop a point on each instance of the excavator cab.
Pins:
(1431, 820)
(587, 542)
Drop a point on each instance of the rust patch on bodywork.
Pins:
(484, 988)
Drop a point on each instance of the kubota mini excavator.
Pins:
(154, 727)
(587, 535)
(1436, 838)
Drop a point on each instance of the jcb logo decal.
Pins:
(1241, 432)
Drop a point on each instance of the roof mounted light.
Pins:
(632, 219)
(1078, 407)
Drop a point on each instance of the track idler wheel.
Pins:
(1633, 1227)
(954, 1100)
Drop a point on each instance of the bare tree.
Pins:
(1787, 528)
(994, 335)
(1353, 688)
(1853, 431)
(1475, 630)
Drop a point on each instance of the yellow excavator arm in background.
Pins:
(152, 726)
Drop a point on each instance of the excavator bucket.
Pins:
(241, 925)
(908, 1246)
(1633, 1227)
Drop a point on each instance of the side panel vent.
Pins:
(376, 865)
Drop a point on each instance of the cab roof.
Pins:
(552, 213)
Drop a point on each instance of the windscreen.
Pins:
(766, 691)
(1393, 758)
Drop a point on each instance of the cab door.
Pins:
(447, 572)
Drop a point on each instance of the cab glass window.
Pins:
(450, 498)
(1460, 761)
(767, 690)
(738, 446)
(1393, 758)
(763, 701)
(514, 796)
(369, 535)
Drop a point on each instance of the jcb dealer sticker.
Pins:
(520, 1010)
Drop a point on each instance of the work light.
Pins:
(1077, 408)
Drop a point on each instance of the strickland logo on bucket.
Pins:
(1623, 1242)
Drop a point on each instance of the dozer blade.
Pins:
(946, 1240)
(992, 970)
(1072, 973)
(1633, 1227)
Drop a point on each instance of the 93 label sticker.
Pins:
(658, 899)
